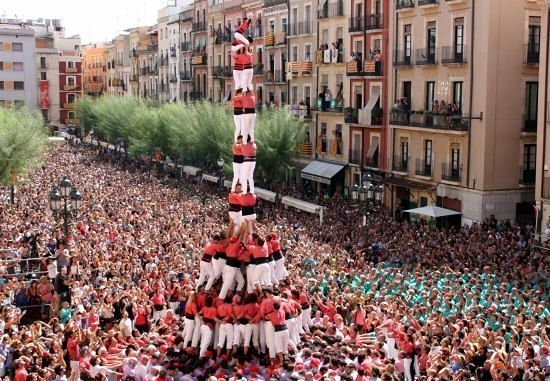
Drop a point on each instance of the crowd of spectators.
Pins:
(390, 301)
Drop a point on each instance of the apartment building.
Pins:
(186, 48)
(94, 69)
(199, 58)
(164, 55)
(70, 78)
(134, 38)
(275, 55)
(110, 55)
(18, 82)
(463, 108)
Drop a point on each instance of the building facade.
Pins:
(94, 69)
(70, 78)
(464, 87)
(186, 48)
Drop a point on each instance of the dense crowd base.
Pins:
(397, 301)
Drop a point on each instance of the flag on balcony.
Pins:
(327, 55)
(352, 67)
(370, 66)
(334, 55)
(44, 96)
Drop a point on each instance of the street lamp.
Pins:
(65, 200)
(354, 192)
(378, 190)
(221, 162)
(363, 193)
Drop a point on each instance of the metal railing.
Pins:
(402, 57)
(222, 71)
(427, 2)
(272, 3)
(373, 22)
(404, 4)
(527, 176)
(185, 46)
(258, 69)
(453, 55)
(356, 24)
(185, 75)
(450, 172)
(298, 28)
(198, 26)
(426, 56)
(428, 120)
(423, 168)
(529, 124)
(351, 115)
(173, 78)
(400, 163)
(532, 54)
(331, 10)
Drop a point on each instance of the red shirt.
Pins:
(248, 199)
(234, 198)
(239, 311)
(251, 310)
(249, 149)
(249, 101)
(225, 311)
(247, 59)
(274, 245)
(238, 102)
(258, 251)
(237, 149)
(73, 349)
(277, 317)
(199, 299)
(209, 314)
(158, 300)
(244, 255)
(211, 248)
(244, 26)
(191, 308)
(21, 375)
(266, 307)
(233, 250)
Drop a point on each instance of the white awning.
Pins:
(227, 183)
(320, 171)
(212, 179)
(373, 147)
(189, 170)
(302, 205)
(365, 115)
(432, 211)
(265, 194)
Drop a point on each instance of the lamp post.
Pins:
(378, 190)
(221, 162)
(354, 192)
(65, 200)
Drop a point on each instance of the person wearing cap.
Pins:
(190, 312)
(249, 115)
(238, 158)
(235, 209)
(232, 269)
(248, 203)
(249, 164)
(226, 329)
(280, 338)
(205, 268)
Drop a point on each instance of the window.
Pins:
(18, 66)
(71, 81)
(294, 53)
(404, 154)
(458, 48)
(324, 35)
(294, 99)
(42, 62)
(1, 85)
(71, 115)
(285, 25)
(307, 13)
(427, 157)
(407, 91)
(19, 85)
(430, 42)
(531, 105)
(430, 95)
(407, 42)
(71, 98)
(323, 137)
(529, 163)
(455, 163)
(43, 76)
(17, 47)
(1, 66)
(457, 94)
(70, 65)
(307, 95)
(533, 43)
(358, 47)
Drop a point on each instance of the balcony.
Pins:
(71, 70)
(299, 28)
(185, 76)
(275, 39)
(356, 24)
(454, 55)
(356, 157)
(132, 78)
(258, 69)
(173, 53)
(331, 107)
(400, 164)
(185, 46)
(196, 96)
(331, 10)
(198, 26)
(272, 3)
(423, 168)
(222, 71)
(280, 76)
(527, 176)
(532, 54)
(329, 56)
(450, 172)
(173, 78)
(402, 58)
(70, 87)
(426, 56)
(368, 68)
(404, 4)
(529, 124)
(199, 59)
(427, 3)
(299, 68)
(428, 120)
(304, 149)
(152, 48)
(69, 106)
(73, 122)
(374, 22)
(351, 115)
(143, 70)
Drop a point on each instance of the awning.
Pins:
(265, 194)
(365, 115)
(372, 148)
(302, 205)
(189, 170)
(410, 184)
(320, 171)
(432, 211)
(212, 179)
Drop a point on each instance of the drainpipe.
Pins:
(544, 122)
(471, 95)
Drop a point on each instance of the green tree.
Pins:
(22, 140)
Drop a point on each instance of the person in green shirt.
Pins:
(66, 313)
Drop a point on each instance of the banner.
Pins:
(44, 97)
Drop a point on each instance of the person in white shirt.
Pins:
(96, 369)
(125, 325)
(140, 370)
(52, 269)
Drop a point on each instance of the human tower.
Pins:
(247, 310)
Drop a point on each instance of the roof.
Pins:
(321, 171)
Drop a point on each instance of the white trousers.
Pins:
(206, 270)
(280, 269)
(218, 265)
(293, 337)
(238, 78)
(196, 331)
(306, 319)
(241, 38)
(239, 123)
(188, 328)
(272, 273)
(237, 169)
(261, 275)
(270, 339)
(281, 341)
(248, 125)
(238, 334)
(250, 269)
(407, 365)
(230, 274)
(246, 80)
(226, 335)
(236, 217)
(206, 336)
(251, 218)
(251, 332)
(261, 336)
(247, 176)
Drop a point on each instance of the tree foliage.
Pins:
(197, 133)
(22, 140)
